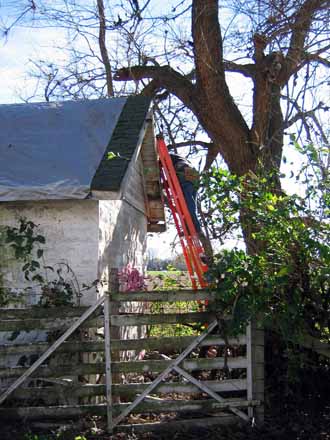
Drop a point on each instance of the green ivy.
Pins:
(285, 281)
(27, 245)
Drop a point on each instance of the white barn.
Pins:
(94, 209)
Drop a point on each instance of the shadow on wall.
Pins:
(127, 246)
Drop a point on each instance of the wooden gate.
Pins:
(137, 383)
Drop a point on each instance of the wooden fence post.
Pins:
(107, 349)
(255, 370)
(114, 310)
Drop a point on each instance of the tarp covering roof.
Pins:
(55, 150)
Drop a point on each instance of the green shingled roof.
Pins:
(124, 140)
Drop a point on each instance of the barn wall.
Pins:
(70, 228)
(122, 236)
(123, 230)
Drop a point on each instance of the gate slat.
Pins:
(124, 367)
(123, 390)
(166, 343)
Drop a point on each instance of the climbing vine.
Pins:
(58, 284)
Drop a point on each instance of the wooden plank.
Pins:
(57, 391)
(51, 350)
(315, 344)
(257, 358)
(155, 406)
(202, 406)
(249, 375)
(51, 413)
(46, 324)
(189, 364)
(156, 227)
(40, 347)
(211, 393)
(164, 295)
(166, 344)
(107, 349)
(124, 367)
(128, 391)
(37, 312)
(168, 318)
(172, 344)
(166, 371)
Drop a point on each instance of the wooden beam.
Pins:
(51, 350)
(156, 227)
(163, 318)
(124, 367)
(221, 401)
(166, 344)
(167, 370)
(68, 411)
(165, 295)
(127, 391)
(108, 374)
(46, 324)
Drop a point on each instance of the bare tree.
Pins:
(278, 49)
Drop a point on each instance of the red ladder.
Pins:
(191, 245)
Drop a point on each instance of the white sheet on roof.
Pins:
(52, 150)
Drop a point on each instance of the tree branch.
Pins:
(300, 30)
(207, 39)
(103, 47)
(248, 70)
(162, 76)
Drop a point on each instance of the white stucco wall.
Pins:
(122, 236)
(70, 228)
(90, 236)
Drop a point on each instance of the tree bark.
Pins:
(103, 48)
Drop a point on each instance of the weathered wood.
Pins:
(108, 374)
(164, 295)
(37, 312)
(211, 393)
(61, 393)
(66, 411)
(113, 283)
(124, 367)
(316, 345)
(156, 227)
(166, 344)
(40, 347)
(12, 325)
(51, 350)
(126, 391)
(256, 363)
(201, 406)
(189, 364)
(168, 318)
(58, 392)
(166, 371)
(249, 375)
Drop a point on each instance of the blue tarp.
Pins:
(52, 150)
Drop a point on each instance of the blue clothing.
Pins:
(189, 188)
(190, 192)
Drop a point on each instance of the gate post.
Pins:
(114, 330)
(110, 333)
(107, 349)
(255, 342)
